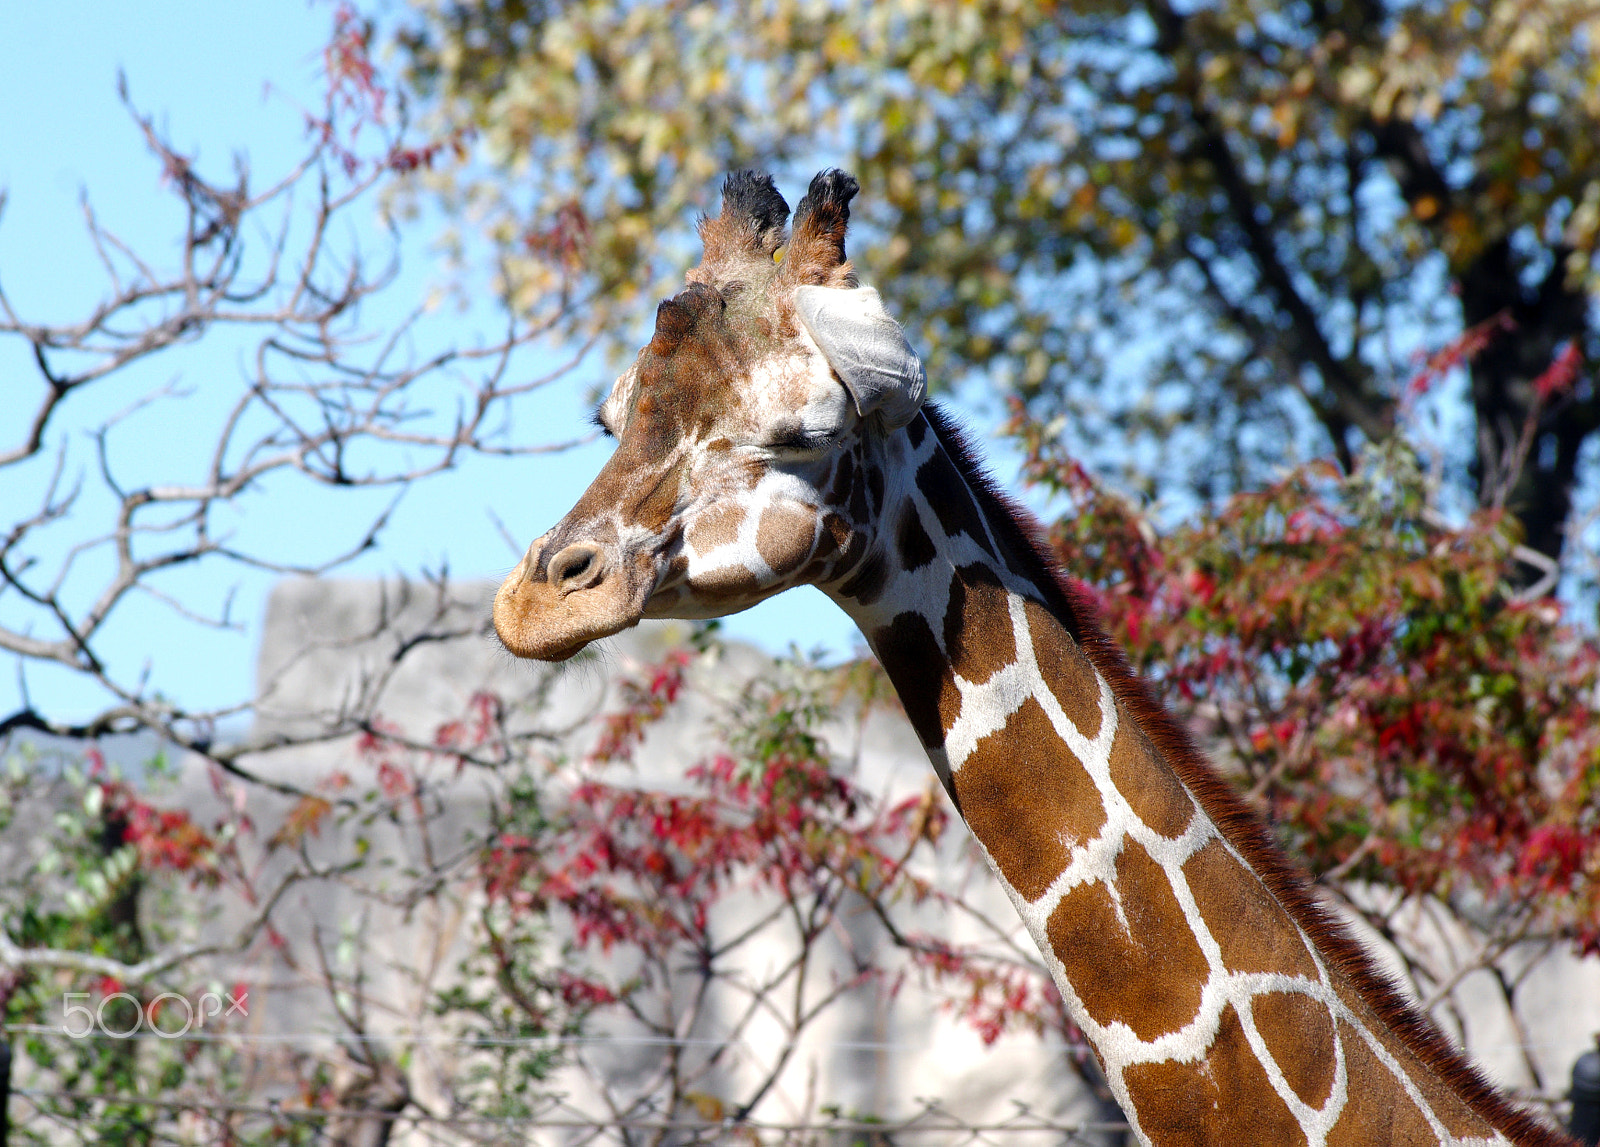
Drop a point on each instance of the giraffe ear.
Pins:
(867, 349)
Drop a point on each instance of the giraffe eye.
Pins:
(599, 423)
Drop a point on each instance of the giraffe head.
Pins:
(741, 429)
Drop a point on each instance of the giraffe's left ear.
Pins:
(867, 349)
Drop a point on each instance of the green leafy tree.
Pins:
(1278, 206)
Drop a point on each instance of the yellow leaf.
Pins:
(708, 1107)
(1283, 118)
(306, 817)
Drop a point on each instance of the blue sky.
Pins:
(203, 72)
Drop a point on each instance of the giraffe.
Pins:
(772, 433)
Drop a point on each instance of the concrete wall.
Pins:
(329, 646)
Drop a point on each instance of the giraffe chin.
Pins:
(536, 622)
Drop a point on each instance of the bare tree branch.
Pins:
(324, 401)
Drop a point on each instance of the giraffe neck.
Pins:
(1223, 1006)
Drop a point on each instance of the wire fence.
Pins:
(932, 1123)
(554, 1117)
(1574, 1045)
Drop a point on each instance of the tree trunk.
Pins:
(1527, 456)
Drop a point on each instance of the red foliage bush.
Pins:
(1371, 678)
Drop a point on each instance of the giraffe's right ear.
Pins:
(867, 349)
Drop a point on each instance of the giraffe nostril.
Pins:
(578, 566)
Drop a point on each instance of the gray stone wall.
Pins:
(329, 648)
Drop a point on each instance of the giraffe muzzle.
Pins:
(550, 607)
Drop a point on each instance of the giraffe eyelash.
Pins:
(599, 423)
(807, 440)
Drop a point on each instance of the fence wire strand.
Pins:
(933, 1119)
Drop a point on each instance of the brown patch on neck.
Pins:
(1066, 671)
(870, 579)
(1378, 1109)
(977, 625)
(1146, 973)
(950, 498)
(1298, 1030)
(1446, 1105)
(1224, 1098)
(1146, 783)
(844, 475)
(912, 543)
(1028, 800)
(1249, 925)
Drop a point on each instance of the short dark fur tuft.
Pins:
(752, 195)
(1022, 536)
(816, 251)
(829, 188)
(750, 227)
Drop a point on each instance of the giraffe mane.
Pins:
(1072, 604)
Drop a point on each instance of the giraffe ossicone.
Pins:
(774, 433)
